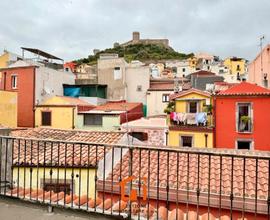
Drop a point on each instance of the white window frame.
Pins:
(14, 84)
(237, 117)
(165, 97)
(244, 140)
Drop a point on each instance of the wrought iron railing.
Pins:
(137, 182)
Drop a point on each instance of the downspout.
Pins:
(206, 141)
(214, 122)
(34, 96)
(73, 115)
(5, 78)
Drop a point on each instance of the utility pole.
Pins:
(261, 46)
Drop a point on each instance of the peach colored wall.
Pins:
(254, 69)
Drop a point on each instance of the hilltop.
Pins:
(142, 52)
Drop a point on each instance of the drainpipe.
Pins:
(73, 115)
(214, 121)
(166, 134)
(206, 140)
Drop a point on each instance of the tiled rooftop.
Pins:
(31, 153)
(117, 106)
(245, 88)
(163, 173)
(186, 92)
(111, 206)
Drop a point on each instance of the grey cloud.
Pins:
(73, 28)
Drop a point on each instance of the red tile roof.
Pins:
(117, 106)
(117, 207)
(203, 73)
(159, 86)
(192, 90)
(30, 153)
(245, 88)
(164, 172)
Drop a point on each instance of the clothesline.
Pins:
(189, 118)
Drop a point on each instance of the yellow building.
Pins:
(192, 62)
(8, 57)
(60, 112)
(60, 166)
(8, 109)
(236, 66)
(190, 124)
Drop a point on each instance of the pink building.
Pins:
(259, 68)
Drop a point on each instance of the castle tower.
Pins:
(136, 36)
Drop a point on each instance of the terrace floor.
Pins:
(14, 209)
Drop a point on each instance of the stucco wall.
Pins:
(8, 109)
(4, 60)
(198, 138)
(155, 106)
(62, 117)
(225, 122)
(181, 105)
(116, 87)
(109, 123)
(49, 82)
(137, 76)
(38, 176)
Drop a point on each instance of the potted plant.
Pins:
(208, 109)
(244, 121)
(170, 108)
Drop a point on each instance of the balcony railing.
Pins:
(137, 182)
(190, 119)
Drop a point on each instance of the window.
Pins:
(174, 69)
(238, 68)
(206, 61)
(186, 141)
(243, 145)
(91, 119)
(46, 118)
(57, 186)
(184, 69)
(140, 135)
(165, 97)
(192, 107)
(139, 88)
(117, 73)
(14, 79)
(244, 119)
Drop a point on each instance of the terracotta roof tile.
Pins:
(117, 106)
(59, 154)
(192, 90)
(244, 88)
(163, 172)
(112, 206)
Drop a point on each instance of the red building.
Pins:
(242, 117)
(34, 81)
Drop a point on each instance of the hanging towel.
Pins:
(201, 117)
(191, 118)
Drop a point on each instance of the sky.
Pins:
(71, 29)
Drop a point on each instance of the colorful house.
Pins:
(60, 112)
(241, 115)
(236, 67)
(109, 116)
(8, 109)
(64, 169)
(259, 68)
(7, 58)
(190, 122)
(34, 82)
(159, 92)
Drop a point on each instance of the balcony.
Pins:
(136, 182)
(181, 120)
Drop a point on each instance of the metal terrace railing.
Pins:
(137, 182)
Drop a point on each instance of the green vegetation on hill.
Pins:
(140, 52)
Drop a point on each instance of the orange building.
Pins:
(242, 117)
